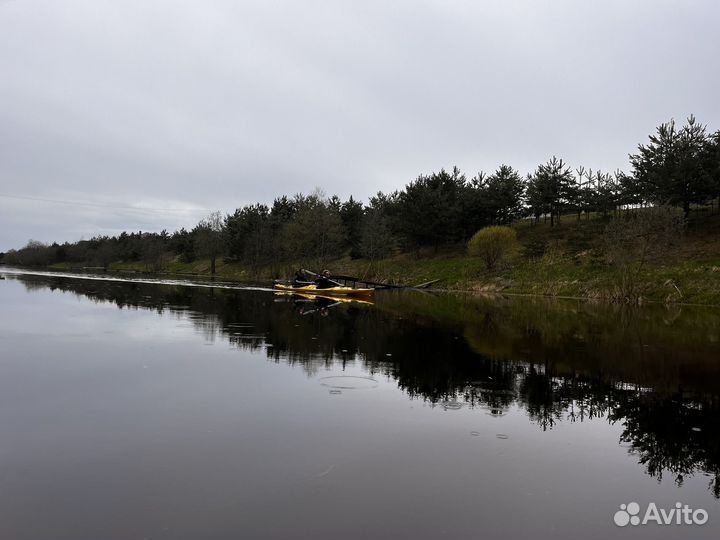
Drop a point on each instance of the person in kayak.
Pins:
(301, 278)
(323, 281)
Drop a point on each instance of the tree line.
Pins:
(678, 166)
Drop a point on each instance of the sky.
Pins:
(148, 114)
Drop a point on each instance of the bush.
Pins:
(634, 239)
(492, 244)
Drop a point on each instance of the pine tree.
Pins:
(502, 194)
(550, 189)
(672, 168)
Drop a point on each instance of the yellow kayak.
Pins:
(332, 291)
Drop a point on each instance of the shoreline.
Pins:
(461, 288)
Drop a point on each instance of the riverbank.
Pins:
(565, 260)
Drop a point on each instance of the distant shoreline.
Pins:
(683, 283)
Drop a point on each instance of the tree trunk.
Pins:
(212, 265)
(686, 208)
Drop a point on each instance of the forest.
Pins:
(678, 166)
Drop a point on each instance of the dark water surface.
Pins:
(150, 410)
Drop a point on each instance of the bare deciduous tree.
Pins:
(209, 238)
(630, 241)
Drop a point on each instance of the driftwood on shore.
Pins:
(354, 281)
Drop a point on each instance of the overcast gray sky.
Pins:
(149, 114)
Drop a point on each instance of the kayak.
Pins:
(333, 291)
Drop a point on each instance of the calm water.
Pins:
(149, 410)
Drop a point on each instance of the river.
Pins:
(147, 408)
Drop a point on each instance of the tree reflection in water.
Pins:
(655, 370)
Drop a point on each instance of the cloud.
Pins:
(211, 105)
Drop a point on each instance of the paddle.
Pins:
(318, 275)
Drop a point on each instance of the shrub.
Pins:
(634, 239)
(492, 244)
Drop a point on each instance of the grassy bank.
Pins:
(565, 260)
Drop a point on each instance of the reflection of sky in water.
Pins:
(126, 421)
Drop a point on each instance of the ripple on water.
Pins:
(452, 405)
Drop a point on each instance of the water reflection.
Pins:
(654, 371)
